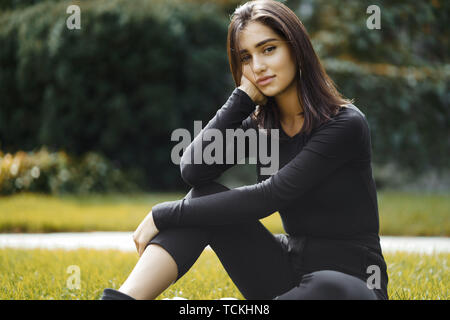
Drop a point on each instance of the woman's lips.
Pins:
(266, 81)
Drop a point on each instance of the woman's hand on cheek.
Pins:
(145, 232)
(253, 92)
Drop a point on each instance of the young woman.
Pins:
(324, 189)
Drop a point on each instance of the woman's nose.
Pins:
(258, 65)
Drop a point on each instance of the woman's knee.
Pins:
(190, 238)
(329, 285)
(335, 285)
(186, 244)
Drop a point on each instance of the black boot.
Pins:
(112, 294)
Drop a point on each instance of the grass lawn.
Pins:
(414, 214)
(43, 274)
(400, 213)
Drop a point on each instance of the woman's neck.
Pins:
(289, 106)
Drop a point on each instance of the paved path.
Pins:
(123, 241)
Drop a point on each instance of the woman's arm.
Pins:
(232, 115)
(335, 143)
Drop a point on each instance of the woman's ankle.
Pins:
(112, 294)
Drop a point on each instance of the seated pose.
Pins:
(324, 190)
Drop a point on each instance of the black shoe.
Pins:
(112, 294)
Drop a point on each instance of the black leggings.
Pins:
(255, 260)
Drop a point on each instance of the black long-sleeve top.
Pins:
(324, 187)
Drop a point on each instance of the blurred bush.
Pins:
(57, 173)
(406, 107)
(412, 33)
(394, 177)
(120, 85)
(16, 4)
(139, 69)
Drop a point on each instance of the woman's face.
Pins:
(264, 53)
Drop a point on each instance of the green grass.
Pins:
(401, 213)
(416, 214)
(42, 274)
(27, 212)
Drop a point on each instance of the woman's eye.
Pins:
(271, 48)
(245, 59)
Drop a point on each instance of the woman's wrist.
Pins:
(248, 91)
(253, 94)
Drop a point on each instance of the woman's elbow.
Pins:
(195, 175)
(198, 174)
(188, 174)
(187, 168)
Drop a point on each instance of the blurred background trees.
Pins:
(113, 91)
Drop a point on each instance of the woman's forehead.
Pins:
(254, 33)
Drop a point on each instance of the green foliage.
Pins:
(16, 4)
(57, 173)
(139, 69)
(120, 85)
(405, 108)
(412, 32)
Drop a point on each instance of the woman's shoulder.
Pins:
(344, 134)
(350, 110)
(349, 118)
(350, 114)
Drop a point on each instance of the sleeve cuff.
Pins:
(245, 98)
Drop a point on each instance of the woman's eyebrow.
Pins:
(259, 44)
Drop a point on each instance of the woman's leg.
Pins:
(153, 273)
(329, 285)
(254, 259)
(168, 256)
(250, 254)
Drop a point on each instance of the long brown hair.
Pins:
(317, 92)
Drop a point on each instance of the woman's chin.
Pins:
(269, 93)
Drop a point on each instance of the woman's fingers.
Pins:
(144, 233)
(252, 91)
(140, 246)
(136, 243)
